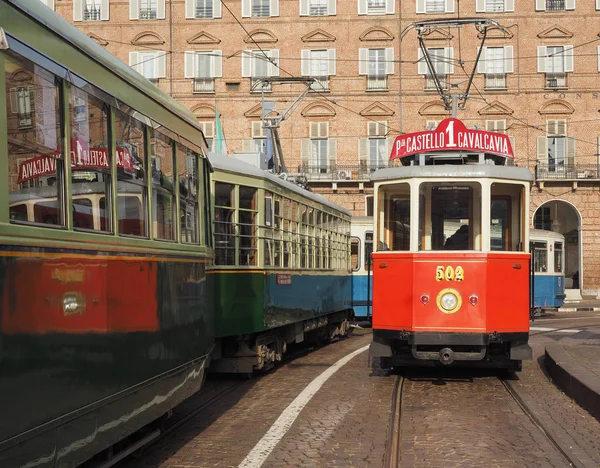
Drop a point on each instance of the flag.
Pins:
(220, 145)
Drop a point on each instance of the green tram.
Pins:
(282, 266)
(105, 243)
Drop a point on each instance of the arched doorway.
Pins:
(561, 216)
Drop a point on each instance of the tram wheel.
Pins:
(380, 367)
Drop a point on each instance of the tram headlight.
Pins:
(449, 300)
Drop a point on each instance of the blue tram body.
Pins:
(548, 273)
(362, 280)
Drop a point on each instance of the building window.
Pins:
(495, 6)
(495, 63)
(203, 67)
(556, 151)
(376, 7)
(376, 64)
(151, 64)
(319, 152)
(20, 105)
(374, 150)
(555, 62)
(203, 9)
(442, 61)
(258, 64)
(368, 205)
(435, 6)
(317, 7)
(495, 126)
(48, 3)
(554, 5)
(208, 129)
(146, 9)
(260, 8)
(319, 64)
(90, 10)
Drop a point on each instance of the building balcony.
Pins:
(320, 85)
(204, 11)
(556, 80)
(147, 13)
(91, 13)
(555, 5)
(377, 83)
(430, 82)
(545, 172)
(204, 85)
(495, 81)
(318, 10)
(339, 172)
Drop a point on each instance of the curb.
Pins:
(575, 380)
(579, 309)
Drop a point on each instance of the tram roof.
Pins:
(466, 171)
(61, 27)
(235, 166)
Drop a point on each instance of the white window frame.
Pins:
(249, 56)
(79, 9)
(307, 61)
(134, 10)
(190, 10)
(508, 66)
(540, 5)
(495, 126)
(191, 65)
(422, 6)
(567, 55)
(390, 8)
(22, 108)
(481, 6)
(247, 9)
(363, 60)
(136, 60)
(48, 3)
(306, 4)
(447, 62)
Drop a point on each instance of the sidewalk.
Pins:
(585, 305)
(574, 365)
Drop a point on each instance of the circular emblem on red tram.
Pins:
(449, 301)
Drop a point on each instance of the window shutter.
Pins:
(551, 127)
(570, 150)
(362, 7)
(598, 150)
(160, 9)
(390, 145)
(134, 61)
(363, 150)
(542, 148)
(390, 7)
(570, 5)
(332, 151)
(189, 9)
(568, 58)
(540, 5)
(597, 4)
(331, 8)
(509, 5)
(420, 6)
(246, 64)
(509, 59)
(273, 66)
(541, 59)
(257, 129)
(247, 145)
(246, 9)
(421, 63)
(217, 64)
(304, 11)
(217, 9)
(449, 6)
(134, 9)
(331, 69)
(389, 61)
(371, 129)
(305, 62)
(482, 60)
(480, 6)
(49, 4)
(274, 7)
(105, 10)
(305, 151)
(189, 64)
(161, 66)
(77, 10)
(449, 54)
(363, 61)
(561, 127)
(14, 101)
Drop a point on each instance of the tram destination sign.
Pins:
(452, 135)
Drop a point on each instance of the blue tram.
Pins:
(361, 244)
(548, 270)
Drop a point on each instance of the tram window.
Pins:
(506, 216)
(18, 213)
(500, 224)
(355, 253)
(396, 206)
(131, 177)
(248, 214)
(450, 216)
(187, 163)
(83, 213)
(268, 242)
(539, 251)
(368, 249)
(34, 129)
(277, 207)
(90, 162)
(224, 224)
(103, 217)
(163, 190)
(558, 257)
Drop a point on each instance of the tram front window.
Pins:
(396, 227)
(449, 216)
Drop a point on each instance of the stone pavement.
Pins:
(575, 365)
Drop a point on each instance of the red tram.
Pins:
(451, 261)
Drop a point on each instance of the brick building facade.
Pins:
(537, 80)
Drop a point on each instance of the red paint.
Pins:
(501, 289)
(452, 135)
(112, 296)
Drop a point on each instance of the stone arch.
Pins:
(318, 109)
(376, 33)
(564, 217)
(203, 111)
(20, 75)
(434, 108)
(147, 38)
(260, 36)
(556, 106)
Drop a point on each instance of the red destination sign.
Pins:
(452, 135)
(82, 158)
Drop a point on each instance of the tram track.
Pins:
(548, 433)
(393, 455)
